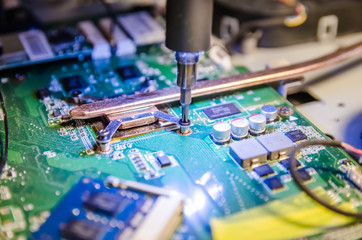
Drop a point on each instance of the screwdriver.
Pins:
(188, 32)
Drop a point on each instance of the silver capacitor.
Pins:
(221, 132)
(257, 123)
(270, 112)
(239, 128)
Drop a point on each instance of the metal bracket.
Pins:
(104, 136)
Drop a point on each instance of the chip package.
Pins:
(221, 111)
(72, 83)
(296, 135)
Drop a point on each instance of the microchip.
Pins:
(263, 170)
(220, 111)
(82, 230)
(304, 175)
(128, 72)
(286, 163)
(72, 83)
(274, 183)
(103, 202)
(164, 160)
(62, 36)
(296, 135)
(42, 93)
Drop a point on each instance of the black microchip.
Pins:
(128, 72)
(286, 163)
(304, 175)
(296, 135)
(42, 93)
(82, 230)
(263, 170)
(72, 83)
(164, 160)
(274, 183)
(62, 36)
(220, 111)
(103, 202)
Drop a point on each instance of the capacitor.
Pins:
(221, 132)
(257, 123)
(270, 112)
(239, 128)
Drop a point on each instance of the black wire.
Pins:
(6, 129)
(299, 181)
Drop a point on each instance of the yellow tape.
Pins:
(292, 217)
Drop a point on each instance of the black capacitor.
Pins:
(188, 25)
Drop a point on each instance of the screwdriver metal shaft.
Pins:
(186, 78)
(185, 100)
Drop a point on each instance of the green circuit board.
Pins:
(47, 158)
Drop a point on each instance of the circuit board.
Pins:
(48, 157)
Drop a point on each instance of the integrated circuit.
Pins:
(72, 83)
(248, 152)
(221, 111)
(42, 93)
(263, 170)
(274, 183)
(304, 175)
(277, 144)
(82, 230)
(128, 72)
(286, 163)
(105, 203)
(296, 135)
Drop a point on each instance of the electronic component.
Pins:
(220, 57)
(304, 175)
(277, 144)
(285, 111)
(128, 72)
(286, 163)
(101, 48)
(128, 210)
(274, 183)
(82, 230)
(257, 124)
(73, 83)
(354, 175)
(42, 93)
(296, 135)
(12, 50)
(62, 36)
(36, 45)
(104, 202)
(221, 132)
(263, 170)
(270, 112)
(124, 45)
(248, 152)
(143, 29)
(57, 113)
(221, 111)
(163, 160)
(239, 128)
